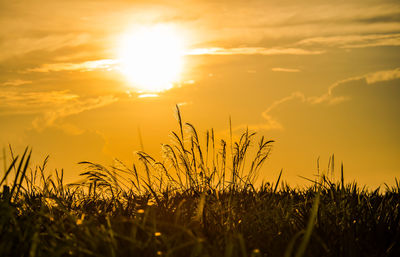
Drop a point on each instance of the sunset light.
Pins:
(169, 128)
(151, 57)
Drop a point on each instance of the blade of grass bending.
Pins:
(153, 193)
(23, 172)
(289, 248)
(310, 226)
(11, 153)
(18, 171)
(315, 182)
(9, 170)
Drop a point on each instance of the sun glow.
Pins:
(152, 57)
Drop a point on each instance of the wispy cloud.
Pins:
(272, 123)
(148, 95)
(48, 106)
(285, 70)
(382, 76)
(189, 82)
(369, 78)
(104, 64)
(24, 45)
(15, 82)
(110, 64)
(72, 108)
(354, 41)
(14, 102)
(251, 51)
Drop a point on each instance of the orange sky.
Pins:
(317, 77)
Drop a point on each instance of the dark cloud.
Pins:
(384, 18)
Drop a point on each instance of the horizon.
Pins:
(95, 81)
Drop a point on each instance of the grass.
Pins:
(199, 200)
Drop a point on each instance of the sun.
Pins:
(151, 57)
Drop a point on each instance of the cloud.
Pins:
(23, 45)
(72, 108)
(285, 70)
(49, 106)
(251, 51)
(189, 82)
(382, 76)
(15, 82)
(330, 97)
(361, 132)
(381, 18)
(184, 103)
(369, 78)
(68, 24)
(148, 95)
(270, 123)
(353, 41)
(273, 123)
(110, 64)
(15, 102)
(268, 22)
(83, 66)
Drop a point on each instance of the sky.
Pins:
(317, 77)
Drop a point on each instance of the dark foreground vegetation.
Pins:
(199, 201)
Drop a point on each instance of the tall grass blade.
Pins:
(18, 172)
(342, 176)
(310, 226)
(277, 181)
(9, 170)
(23, 172)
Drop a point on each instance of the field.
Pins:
(200, 200)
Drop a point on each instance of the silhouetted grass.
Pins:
(199, 200)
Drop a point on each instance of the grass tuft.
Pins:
(200, 199)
